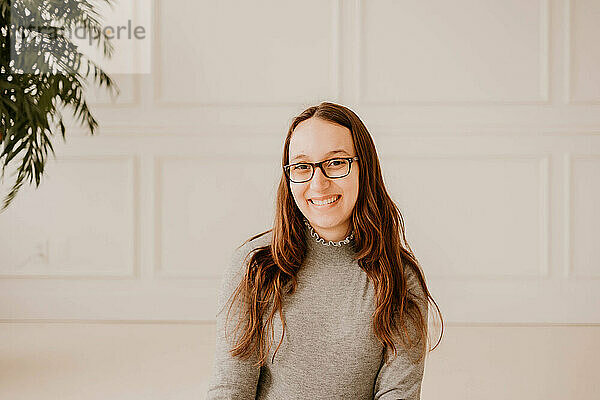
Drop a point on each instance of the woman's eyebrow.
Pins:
(332, 152)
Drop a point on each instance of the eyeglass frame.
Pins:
(320, 165)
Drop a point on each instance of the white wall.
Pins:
(486, 116)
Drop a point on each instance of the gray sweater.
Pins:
(329, 350)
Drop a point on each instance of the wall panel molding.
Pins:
(571, 70)
(576, 213)
(51, 252)
(540, 97)
(334, 68)
(541, 163)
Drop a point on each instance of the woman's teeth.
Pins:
(325, 202)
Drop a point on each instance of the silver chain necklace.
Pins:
(319, 239)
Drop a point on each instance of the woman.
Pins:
(346, 289)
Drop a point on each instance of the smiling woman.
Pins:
(337, 269)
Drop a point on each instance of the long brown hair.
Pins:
(381, 250)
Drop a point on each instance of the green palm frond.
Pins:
(42, 72)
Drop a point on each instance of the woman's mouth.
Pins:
(326, 202)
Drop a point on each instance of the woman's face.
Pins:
(315, 140)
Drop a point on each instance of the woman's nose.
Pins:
(319, 179)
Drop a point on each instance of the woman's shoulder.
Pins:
(254, 242)
(260, 239)
(235, 270)
(241, 252)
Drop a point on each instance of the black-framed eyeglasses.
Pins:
(332, 168)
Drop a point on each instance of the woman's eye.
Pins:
(300, 167)
(336, 163)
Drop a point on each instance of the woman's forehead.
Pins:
(317, 139)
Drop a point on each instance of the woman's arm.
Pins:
(232, 378)
(401, 377)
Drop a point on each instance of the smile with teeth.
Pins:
(326, 201)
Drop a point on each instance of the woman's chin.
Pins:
(325, 221)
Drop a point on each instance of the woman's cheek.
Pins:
(299, 198)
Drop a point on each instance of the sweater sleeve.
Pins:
(232, 377)
(401, 377)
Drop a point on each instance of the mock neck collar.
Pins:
(347, 240)
(326, 251)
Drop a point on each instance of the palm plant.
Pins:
(42, 73)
